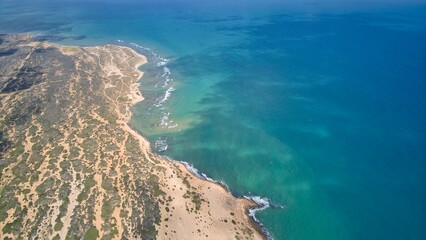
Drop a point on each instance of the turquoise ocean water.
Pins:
(317, 107)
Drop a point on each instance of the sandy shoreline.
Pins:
(81, 170)
(218, 199)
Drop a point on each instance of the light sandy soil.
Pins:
(86, 171)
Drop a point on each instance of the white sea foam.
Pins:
(140, 47)
(165, 121)
(161, 145)
(162, 61)
(164, 79)
(192, 169)
(159, 102)
(201, 175)
(262, 202)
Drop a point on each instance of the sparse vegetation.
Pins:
(65, 154)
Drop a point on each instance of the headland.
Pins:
(71, 167)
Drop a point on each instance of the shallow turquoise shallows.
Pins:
(317, 107)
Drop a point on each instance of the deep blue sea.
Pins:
(318, 107)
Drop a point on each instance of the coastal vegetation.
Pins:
(72, 168)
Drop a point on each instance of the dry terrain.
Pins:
(72, 168)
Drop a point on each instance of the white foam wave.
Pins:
(201, 175)
(164, 78)
(139, 46)
(161, 100)
(262, 202)
(162, 61)
(166, 122)
(161, 145)
(192, 169)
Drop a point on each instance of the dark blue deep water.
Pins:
(318, 107)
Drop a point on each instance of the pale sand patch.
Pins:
(75, 190)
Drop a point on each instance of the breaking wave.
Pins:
(163, 82)
(262, 203)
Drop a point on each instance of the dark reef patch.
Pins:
(81, 37)
(58, 38)
(50, 38)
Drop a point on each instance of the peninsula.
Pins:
(72, 168)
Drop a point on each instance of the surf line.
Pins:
(261, 202)
(161, 144)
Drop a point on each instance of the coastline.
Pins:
(83, 145)
(244, 203)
